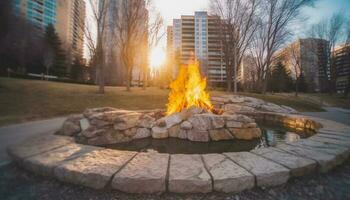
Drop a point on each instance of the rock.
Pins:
(45, 163)
(127, 121)
(200, 122)
(250, 125)
(89, 112)
(146, 121)
(100, 123)
(84, 124)
(235, 108)
(234, 124)
(338, 141)
(183, 134)
(36, 145)
(220, 99)
(187, 174)
(142, 133)
(145, 173)
(174, 131)
(110, 136)
(160, 132)
(298, 166)
(220, 134)
(324, 160)
(341, 152)
(70, 128)
(227, 175)
(267, 173)
(186, 125)
(238, 118)
(130, 132)
(217, 121)
(236, 99)
(94, 169)
(245, 133)
(93, 132)
(198, 135)
(173, 119)
(161, 122)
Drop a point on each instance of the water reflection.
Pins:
(271, 136)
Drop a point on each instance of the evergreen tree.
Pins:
(77, 69)
(58, 65)
(280, 80)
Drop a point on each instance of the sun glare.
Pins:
(157, 57)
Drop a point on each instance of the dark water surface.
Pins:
(271, 136)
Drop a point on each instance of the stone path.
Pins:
(132, 172)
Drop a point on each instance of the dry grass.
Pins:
(24, 100)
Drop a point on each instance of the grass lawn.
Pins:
(24, 100)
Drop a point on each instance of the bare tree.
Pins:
(275, 18)
(237, 23)
(94, 32)
(130, 33)
(330, 30)
(347, 43)
(152, 36)
(294, 58)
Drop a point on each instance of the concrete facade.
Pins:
(197, 37)
(312, 56)
(67, 16)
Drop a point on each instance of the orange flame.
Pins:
(188, 90)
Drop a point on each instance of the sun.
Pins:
(157, 57)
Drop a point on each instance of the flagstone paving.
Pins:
(150, 172)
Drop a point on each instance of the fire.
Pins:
(188, 90)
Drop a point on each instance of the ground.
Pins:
(49, 99)
(16, 183)
(26, 100)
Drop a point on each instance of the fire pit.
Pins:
(190, 115)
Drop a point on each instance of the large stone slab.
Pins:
(344, 143)
(187, 174)
(227, 175)
(342, 133)
(45, 163)
(298, 166)
(341, 152)
(37, 145)
(325, 161)
(94, 169)
(334, 136)
(267, 173)
(145, 173)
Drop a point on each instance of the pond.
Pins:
(271, 136)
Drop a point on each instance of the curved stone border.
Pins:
(133, 172)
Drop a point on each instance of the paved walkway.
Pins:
(333, 113)
(16, 133)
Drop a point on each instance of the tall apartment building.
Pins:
(68, 17)
(342, 63)
(197, 37)
(313, 57)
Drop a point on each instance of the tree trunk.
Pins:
(296, 87)
(145, 72)
(235, 72)
(128, 79)
(101, 80)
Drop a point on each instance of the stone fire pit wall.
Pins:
(101, 126)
